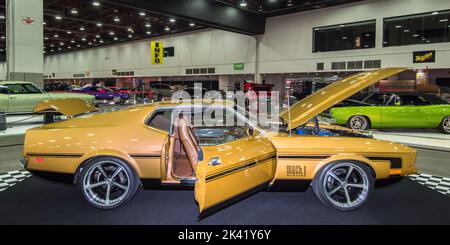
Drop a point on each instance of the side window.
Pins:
(161, 120)
(4, 90)
(376, 99)
(413, 100)
(17, 89)
(31, 89)
(23, 89)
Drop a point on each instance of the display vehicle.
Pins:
(395, 110)
(110, 155)
(22, 97)
(103, 93)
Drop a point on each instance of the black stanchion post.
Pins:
(2, 121)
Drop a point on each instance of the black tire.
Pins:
(323, 183)
(444, 127)
(117, 100)
(363, 120)
(124, 184)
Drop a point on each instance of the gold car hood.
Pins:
(67, 107)
(306, 109)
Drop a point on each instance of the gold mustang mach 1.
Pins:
(110, 155)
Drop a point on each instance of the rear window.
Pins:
(161, 120)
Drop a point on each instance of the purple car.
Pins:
(102, 93)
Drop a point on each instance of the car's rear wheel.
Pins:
(344, 185)
(108, 183)
(445, 125)
(359, 123)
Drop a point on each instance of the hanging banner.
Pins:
(157, 53)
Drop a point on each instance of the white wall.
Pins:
(3, 71)
(205, 48)
(287, 45)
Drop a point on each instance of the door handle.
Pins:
(214, 161)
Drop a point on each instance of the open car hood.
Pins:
(67, 107)
(306, 109)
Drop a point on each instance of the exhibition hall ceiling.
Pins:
(279, 7)
(79, 24)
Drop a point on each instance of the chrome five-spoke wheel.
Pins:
(359, 123)
(344, 185)
(108, 183)
(445, 125)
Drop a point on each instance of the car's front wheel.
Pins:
(107, 182)
(445, 125)
(358, 123)
(117, 99)
(344, 185)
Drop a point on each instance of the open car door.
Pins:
(232, 171)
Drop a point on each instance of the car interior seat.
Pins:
(185, 148)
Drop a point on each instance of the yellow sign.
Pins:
(157, 53)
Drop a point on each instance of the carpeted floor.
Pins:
(34, 201)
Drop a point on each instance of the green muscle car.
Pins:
(389, 110)
(21, 97)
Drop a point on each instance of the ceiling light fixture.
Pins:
(74, 11)
(148, 25)
(96, 3)
(111, 33)
(149, 33)
(167, 28)
(2, 16)
(192, 24)
(56, 35)
(116, 19)
(142, 13)
(58, 17)
(69, 32)
(82, 28)
(172, 20)
(115, 38)
(289, 3)
(243, 3)
(99, 24)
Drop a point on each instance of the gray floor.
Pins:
(428, 161)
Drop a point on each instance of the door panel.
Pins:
(232, 171)
(25, 102)
(401, 116)
(4, 101)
